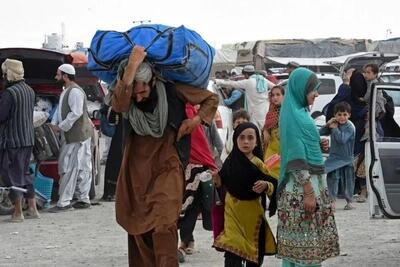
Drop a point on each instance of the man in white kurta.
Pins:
(75, 160)
(256, 91)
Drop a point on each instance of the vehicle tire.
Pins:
(316, 114)
(6, 208)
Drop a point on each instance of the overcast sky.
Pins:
(24, 23)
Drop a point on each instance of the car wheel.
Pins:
(6, 207)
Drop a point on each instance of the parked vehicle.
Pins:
(393, 66)
(359, 61)
(40, 67)
(328, 89)
(389, 77)
(382, 161)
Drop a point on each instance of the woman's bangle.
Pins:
(309, 193)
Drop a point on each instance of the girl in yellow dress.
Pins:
(247, 236)
(271, 131)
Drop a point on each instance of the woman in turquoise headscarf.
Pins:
(307, 233)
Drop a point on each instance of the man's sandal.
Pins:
(181, 255)
(190, 248)
(361, 199)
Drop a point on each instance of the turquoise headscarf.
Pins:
(299, 137)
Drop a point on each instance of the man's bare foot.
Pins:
(16, 218)
(32, 214)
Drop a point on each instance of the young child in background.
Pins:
(339, 164)
(247, 236)
(271, 131)
(238, 117)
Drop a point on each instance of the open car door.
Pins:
(382, 157)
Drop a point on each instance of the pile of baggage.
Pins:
(47, 142)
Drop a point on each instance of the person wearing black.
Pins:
(17, 137)
(114, 124)
(247, 236)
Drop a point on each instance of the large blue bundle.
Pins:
(178, 54)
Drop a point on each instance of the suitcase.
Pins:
(47, 143)
(41, 149)
(53, 140)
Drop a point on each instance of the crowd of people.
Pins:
(17, 138)
(166, 164)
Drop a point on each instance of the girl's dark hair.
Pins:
(278, 87)
(240, 113)
(342, 107)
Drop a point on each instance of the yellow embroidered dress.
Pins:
(243, 219)
(273, 151)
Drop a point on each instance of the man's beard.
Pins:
(60, 82)
(148, 104)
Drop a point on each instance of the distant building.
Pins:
(53, 41)
(79, 47)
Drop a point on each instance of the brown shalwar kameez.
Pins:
(151, 183)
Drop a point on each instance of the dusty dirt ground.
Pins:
(93, 238)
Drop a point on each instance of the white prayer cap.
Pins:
(67, 68)
(249, 69)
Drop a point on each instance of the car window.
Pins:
(392, 77)
(395, 95)
(327, 87)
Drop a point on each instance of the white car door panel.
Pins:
(382, 159)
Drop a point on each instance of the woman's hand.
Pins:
(324, 144)
(309, 198)
(310, 202)
(216, 179)
(260, 186)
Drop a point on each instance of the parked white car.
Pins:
(389, 77)
(329, 87)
